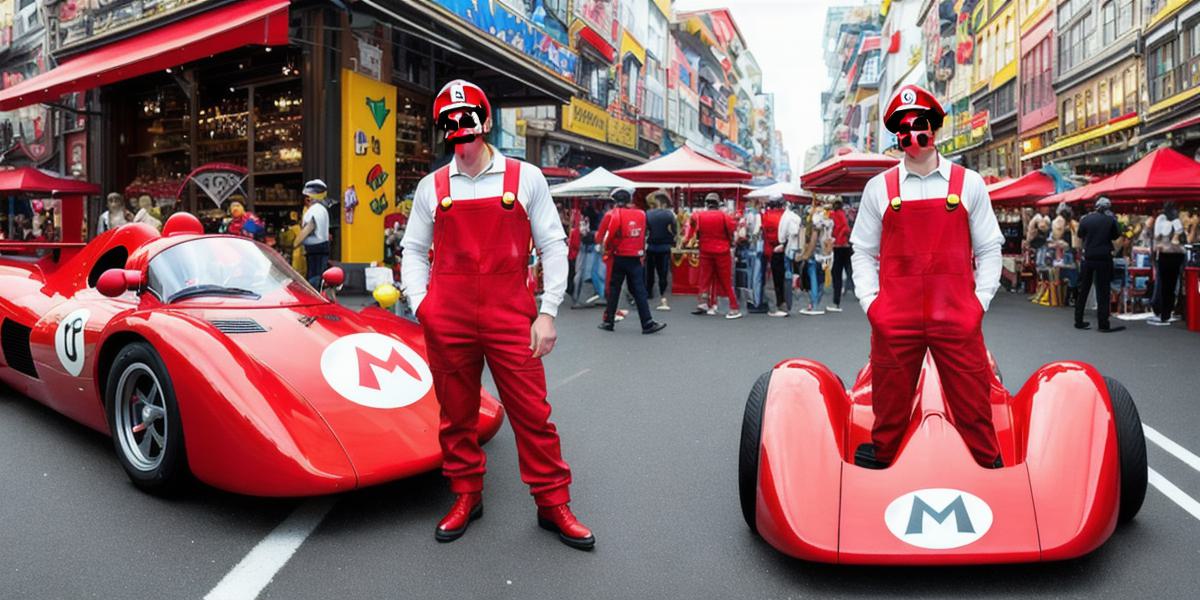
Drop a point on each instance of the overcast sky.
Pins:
(785, 37)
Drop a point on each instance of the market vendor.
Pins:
(481, 214)
(926, 265)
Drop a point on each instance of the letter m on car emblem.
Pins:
(958, 508)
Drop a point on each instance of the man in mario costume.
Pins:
(481, 215)
(926, 265)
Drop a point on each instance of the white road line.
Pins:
(1176, 495)
(1176, 450)
(570, 379)
(248, 578)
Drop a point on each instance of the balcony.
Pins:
(1175, 81)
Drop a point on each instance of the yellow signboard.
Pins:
(622, 133)
(587, 119)
(368, 165)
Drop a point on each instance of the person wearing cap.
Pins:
(715, 231)
(842, 251)
(481, 214)
(622, 234)
(926, 265)
(314, 230)
(773, 251)
(1097, 231)
(661, 231)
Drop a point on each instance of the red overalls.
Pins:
(716, 265)
(927, 301)
(479, 307)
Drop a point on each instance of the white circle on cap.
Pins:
(376, 370)
(908, 96)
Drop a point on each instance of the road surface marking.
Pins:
(248, 578)
(1176, 495)
(1176, 450)
(581, 373)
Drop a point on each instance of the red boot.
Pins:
(570, 530)
(466, 508)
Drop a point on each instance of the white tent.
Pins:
(597, 184)
(787, 188)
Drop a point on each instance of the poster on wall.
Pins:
(599, 16)
(514, 30)
(368, 194)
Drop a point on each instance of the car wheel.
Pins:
(1131, 445)
(751, 440)
(143, 417)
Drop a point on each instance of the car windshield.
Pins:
(228, 267)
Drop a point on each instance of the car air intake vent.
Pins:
(238, 326)
(14, 339)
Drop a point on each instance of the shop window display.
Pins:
(159, 146)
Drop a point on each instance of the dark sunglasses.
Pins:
(468, 120)
(917, 124)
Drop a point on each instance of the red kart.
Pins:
(209, 355)
(1072, 446)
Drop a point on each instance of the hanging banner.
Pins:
(368, 164)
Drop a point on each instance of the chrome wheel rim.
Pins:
(141, 417)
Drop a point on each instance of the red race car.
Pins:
(1072, 446)
(209, 355)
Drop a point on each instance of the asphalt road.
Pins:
(650, 425)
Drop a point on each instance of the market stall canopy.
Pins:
(685, 166)
(1161, 174)
(1080, 194)
(790, 190)
(244, 23)
(28, 180)
(599, 183)
(846, 172)
(1023, 190)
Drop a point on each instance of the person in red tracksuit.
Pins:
(481, 215)
(773, 253)
(715, 230)
(926, 266)
(622, 234)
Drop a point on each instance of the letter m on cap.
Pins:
(958, 508)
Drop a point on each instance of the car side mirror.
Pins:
(114, 282)
(333, 277)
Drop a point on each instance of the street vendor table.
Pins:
(685, 272)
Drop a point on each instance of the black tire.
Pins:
(170, 472)
(751, 441)
(1131, 446)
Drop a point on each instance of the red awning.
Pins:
(1023, 190)
(33, 181)
(685, 166)
(1080, 194)
(1162, 173)
(846, 173)
(245, 23)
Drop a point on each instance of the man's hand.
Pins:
(542, 335)
(779, 248)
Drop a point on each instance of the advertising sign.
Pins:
(599, 16)
(497, 20)
(368, 187)
(622, 133)
(586, 119)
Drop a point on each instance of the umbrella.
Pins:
(789, 189)
(847, 172)
(1023, 190)
(1163, 173)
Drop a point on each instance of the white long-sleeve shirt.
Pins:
(790, 225)
(986, 238)
(534, 196)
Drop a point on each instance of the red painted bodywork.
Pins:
(259, 417)
(1057, 496)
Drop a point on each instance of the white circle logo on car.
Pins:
(68, 341)
(376, 370)
(938, 518)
